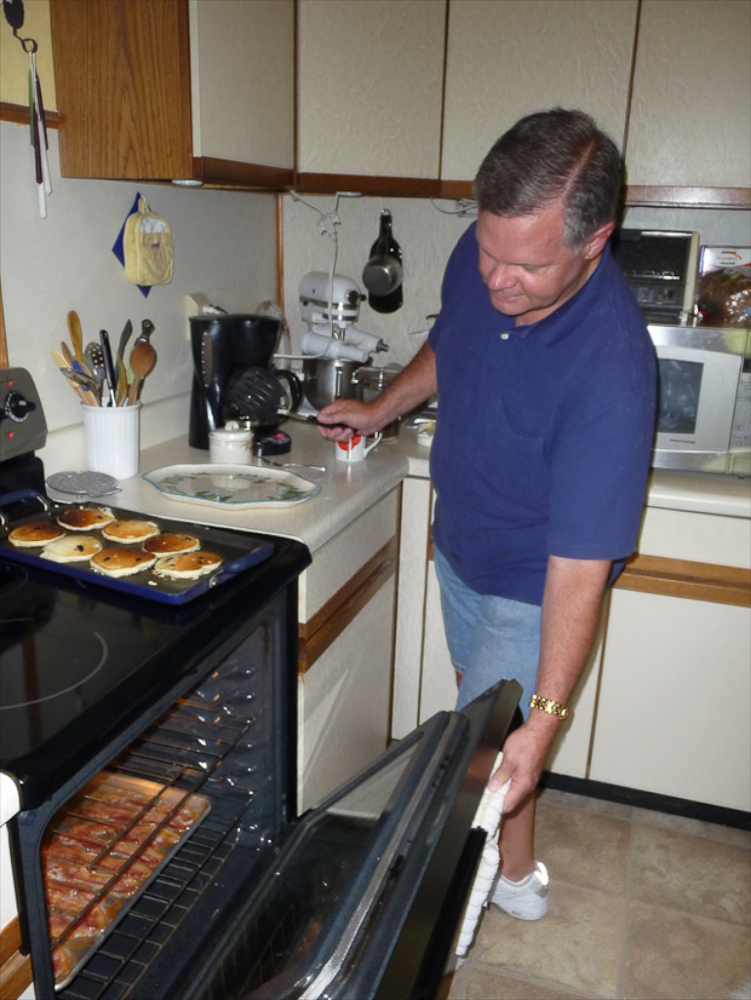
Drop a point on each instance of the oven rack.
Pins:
(215, 742)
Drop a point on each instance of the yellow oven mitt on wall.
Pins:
(147, 247)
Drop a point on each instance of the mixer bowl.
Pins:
(328, 379)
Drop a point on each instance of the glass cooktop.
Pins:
(63, 649)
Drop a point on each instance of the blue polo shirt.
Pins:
(544, 432)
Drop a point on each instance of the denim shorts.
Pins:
(489, 638)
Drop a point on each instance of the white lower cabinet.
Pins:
(346, 630)
(344, 702)
(674, 713)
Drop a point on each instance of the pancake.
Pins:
(85, 518)
(117, 562)
(188, 566)
(171, 543)
(129, 532)
(72, 548)
(34, 534)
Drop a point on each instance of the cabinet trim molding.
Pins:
(404, 187)
(15, 968)
(19, 113)
(327, 624)
(689, 197)
(229, 173)
(656, 196)
(681, 578)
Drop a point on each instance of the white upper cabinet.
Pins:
(242, 75)
(691, 108)
(509, 58)
(370, 83)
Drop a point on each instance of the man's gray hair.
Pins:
(548, 155)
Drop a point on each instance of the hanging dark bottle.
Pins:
(382, 275)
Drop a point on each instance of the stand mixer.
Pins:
(335, 347)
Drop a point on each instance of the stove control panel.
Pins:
(23, 428)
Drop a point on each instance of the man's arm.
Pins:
(410, 388)
(571, 604)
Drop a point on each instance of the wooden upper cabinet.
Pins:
(509, 58)
(370, 86)
(123, 72)
(691, 109)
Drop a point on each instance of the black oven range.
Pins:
(190, 708)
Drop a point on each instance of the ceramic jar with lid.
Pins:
(231, 444)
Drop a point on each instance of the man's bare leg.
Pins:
(517, 841)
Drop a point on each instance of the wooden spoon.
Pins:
(122, 382)
(76, 335)
(142, 360)
(66, 353)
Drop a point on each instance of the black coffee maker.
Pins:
(224, 346)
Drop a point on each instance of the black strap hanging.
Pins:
(14, 15)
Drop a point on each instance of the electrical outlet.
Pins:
(196, 303)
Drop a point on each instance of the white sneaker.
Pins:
(525, 900)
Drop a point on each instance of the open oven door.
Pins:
(365, 896)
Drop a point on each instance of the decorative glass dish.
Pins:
(235, 486)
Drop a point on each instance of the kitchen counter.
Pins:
(700, 493)
(347, 490)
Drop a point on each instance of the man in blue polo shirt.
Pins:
(546, 381)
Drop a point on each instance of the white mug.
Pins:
(355, 449)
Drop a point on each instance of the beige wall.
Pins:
(225, 246)
(14, 62)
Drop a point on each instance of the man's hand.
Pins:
(359, 418)
(524, 754)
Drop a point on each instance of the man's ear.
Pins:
(596, 242)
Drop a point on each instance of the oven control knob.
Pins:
(17, 406)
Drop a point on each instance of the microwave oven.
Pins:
(704, 399)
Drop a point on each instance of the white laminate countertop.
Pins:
(347, 490)
(700, 492)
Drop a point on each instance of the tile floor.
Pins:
(642, 906)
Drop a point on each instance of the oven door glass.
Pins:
(327, 919)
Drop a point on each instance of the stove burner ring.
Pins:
(71, 687)
(12, 578)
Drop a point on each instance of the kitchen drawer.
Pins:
(697, 537)
(340, 559)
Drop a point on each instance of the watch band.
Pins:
(556, 708)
